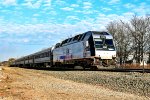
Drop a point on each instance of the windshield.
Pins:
(109, 42)
(106, 44)
(99, 43)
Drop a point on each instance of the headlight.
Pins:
(113, 56)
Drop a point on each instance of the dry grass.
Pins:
(135, 66)
(29, 84)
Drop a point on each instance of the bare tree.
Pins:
(139, 29)
(131, 37)
(122, 39)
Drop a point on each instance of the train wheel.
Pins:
(104, 64)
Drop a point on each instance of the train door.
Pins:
(91, 45)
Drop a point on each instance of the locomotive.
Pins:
(89, 50)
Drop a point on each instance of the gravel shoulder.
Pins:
(26, 84)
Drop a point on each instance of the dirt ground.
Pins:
(26, 84)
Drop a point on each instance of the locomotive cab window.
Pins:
(106, 44)
(109, 43)
(98, 43)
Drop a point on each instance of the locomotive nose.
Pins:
(105, 54)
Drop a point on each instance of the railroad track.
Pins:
(100, 69)
(126, 70)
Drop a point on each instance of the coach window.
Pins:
(38, 55)
(57, 45)
(80, 36)
(69, 40)
(83, 36)
(76, 37)
(47, 54)
(42, 55)
(66, 40)
(63, 42)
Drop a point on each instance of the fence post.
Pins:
(143, 67)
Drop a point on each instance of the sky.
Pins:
(27, 26)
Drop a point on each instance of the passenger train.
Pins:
(89, 50)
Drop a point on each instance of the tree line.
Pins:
(132, 37)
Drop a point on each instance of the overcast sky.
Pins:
(27, 26)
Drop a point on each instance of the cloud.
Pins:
(60, 3)
(47, 3)
(35, 4)
(74, 5)
(35, 15)
(86, 11)
(31, 4)
(15, 40)
(103, 19)
(9, 2)
(106, 9)
(128, 14)
(67, 9)
(129, 5)
(114, 2)
(73, 17)
(139, 9)
(87, 5)
(47, 28)
(142, 9)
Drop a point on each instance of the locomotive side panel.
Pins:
(42, 60)
(68, 52)
(73, 51)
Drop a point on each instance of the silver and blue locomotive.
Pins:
(90, 49)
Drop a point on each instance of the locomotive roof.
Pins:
(100, 32)
(80, 37)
